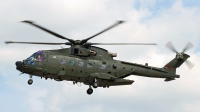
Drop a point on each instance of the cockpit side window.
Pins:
(39, 57)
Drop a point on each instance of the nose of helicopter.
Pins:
(19, 65)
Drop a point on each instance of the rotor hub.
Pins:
(179, 55)
(77, 42)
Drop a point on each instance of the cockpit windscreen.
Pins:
(36, 56)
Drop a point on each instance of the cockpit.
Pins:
(37, 56)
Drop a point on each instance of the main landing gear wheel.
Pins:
(95, 84)
(89, 91)
(30, 81)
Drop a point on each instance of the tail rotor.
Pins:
(180, 55)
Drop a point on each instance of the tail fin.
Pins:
(176, 62)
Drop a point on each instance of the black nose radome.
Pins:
(19, 65)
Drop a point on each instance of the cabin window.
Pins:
(102, 67)
(63, 62)
(80, 64)
(89, 65)
(71, 63)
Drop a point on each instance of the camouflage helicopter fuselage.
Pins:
(62, 64)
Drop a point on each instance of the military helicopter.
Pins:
(94, 66)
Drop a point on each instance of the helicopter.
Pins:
(94, 66)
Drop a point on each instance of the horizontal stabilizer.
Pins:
(169, 79)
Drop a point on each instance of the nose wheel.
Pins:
(30, 81)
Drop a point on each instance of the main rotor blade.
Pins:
(121, 44)
(170, 46)
(11, 42)
(51, 32)
(85, 40)
(188, 46)
(189, 64)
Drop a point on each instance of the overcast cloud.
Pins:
(147, 21)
